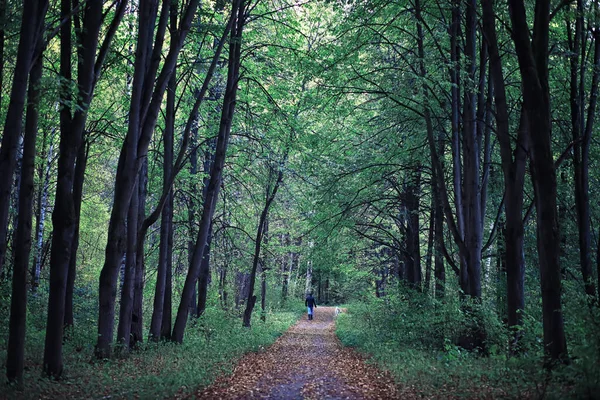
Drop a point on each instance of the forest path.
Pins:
(306, 362)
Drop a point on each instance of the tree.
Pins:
(195, 272)
(533, 64)
(262, 226)
(18, 311)
(143, 112)
(513, 168)
(72, 125)
(582, 129)
(30, 34)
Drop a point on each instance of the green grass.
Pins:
(414, 338)
(211, 347)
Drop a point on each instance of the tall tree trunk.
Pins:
(429, 253)
(137, 325)
(193, 188)
(147, 95)
(262, 227)
(457, 167)
(82, 158)
(125, 312)
(263, 277)
(591, 115)
(199, 304)
(72, 128)
(2, 41)
(203, 279)
(63, 214)
(124, 182)
(167, 212)
(413, 256)
(513, 167)
(165, 331)
(456, 226)
(484, 128)
(471, 187)
(32, 24)
(229, 100)
(582, 132)
(18, 306)
(286, 260)
(167, 316)
(127, 170)
(439, 269)
(533, 64)
(308, 287)
(42, 205)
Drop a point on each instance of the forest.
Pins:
(177, 175)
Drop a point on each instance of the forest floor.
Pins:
(306, 362)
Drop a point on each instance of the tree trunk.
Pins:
(439, 270)
(165, 331)
(582, 132)
(455, 74)
(31, 31)
(72, 128)
(167, 212)
(147, 94)
(137, 326)
(229, 101)
(63, 214)
(413, 256)
(533, 64)
(471, 187)
(429, 253)
(591, 117)
(124, 182)
(167, 316)
(193, 188)
(18, 306)
(199, 304)
(514, 180)
(2, 41)
(204, 278)
(263, 293)
(42, 205)
(261, 231)
(125, 313)
(308, 287)
(82, 158)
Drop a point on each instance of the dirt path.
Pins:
(306, 362)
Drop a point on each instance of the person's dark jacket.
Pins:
(310, 302)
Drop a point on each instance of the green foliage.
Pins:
(212, 345)
(415, 337)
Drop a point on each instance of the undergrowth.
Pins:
(415, 337)
(211, 346)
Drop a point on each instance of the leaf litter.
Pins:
(306, 362)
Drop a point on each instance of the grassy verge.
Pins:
(211, 347)
(414, 340)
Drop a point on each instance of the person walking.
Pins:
(311, 304)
